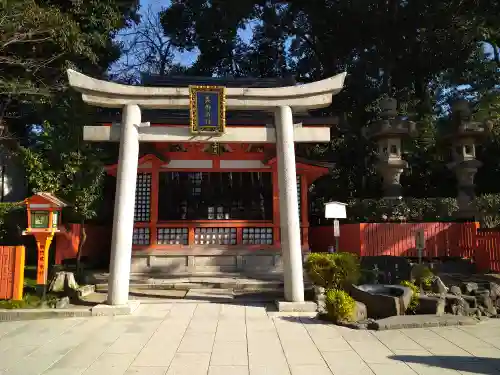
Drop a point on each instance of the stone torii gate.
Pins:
(281, 101)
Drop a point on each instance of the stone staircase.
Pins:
(219, 288)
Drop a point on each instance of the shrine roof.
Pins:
(236, 82)
(181, 117)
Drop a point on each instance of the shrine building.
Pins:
(207, 179)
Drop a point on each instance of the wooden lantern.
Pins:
(44, 219)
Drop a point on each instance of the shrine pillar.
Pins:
(289, 207)
(123, 218)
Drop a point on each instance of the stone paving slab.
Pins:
(232, 339)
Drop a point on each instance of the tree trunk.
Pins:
(83, 239)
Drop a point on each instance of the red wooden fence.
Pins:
(441, 239)
(488, 248)
(463, 240)
(98, 242)
(11, 272)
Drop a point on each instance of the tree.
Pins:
(59, 162)
(422, 52)
(41, 39)
(145, 50)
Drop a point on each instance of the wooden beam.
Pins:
(232, 135)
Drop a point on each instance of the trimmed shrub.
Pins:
(414, 298)
(339, 305)
(333, 271)
(422, 275)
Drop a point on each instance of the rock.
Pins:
(62, 303)
(360, 313)
(62, 282)
(486, 304)
(438, 286)
(430, 305)
(455, 290)
(456, 305)
(319, 296)
(382, 300)
(470, 288)
(471, 300)
(494, 291)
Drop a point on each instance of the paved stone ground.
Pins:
(223, 339)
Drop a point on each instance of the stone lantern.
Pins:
(388, 131)
(464, 135)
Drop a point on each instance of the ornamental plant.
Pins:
(339, 305)
(412, 307)
(333, 271)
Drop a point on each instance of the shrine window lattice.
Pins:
(141, 236)
(172, 236)
(215, 236)
(142, 209)
(257, 236)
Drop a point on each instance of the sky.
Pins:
(185, 58)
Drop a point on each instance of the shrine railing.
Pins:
(209, 233)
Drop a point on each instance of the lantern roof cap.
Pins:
(52, 199)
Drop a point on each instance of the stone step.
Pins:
(236, 283)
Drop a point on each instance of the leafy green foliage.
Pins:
(12, 218)
(422, 275)
(39, 41)
(59, 162)
(339, 305)
(336, 270)
(29, 301)
(414, 302)
(424, 53)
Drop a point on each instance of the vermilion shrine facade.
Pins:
(217, 203)
(219, 187)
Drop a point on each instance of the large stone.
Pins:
(319, 297)
(470, 287)
(62, 281)
(494, 291)
(438, 286)
(456, 305)
(360, 312)
(382, 300)
(62, 303)
(430, 305)
(471, 300)
(485, 303)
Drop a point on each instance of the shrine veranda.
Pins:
(232, 198)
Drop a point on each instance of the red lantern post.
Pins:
(44, 219)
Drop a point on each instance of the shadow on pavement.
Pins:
(474, 365)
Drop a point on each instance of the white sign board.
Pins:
(335, 210)
(336, 228)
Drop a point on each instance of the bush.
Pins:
(333, 271)
(414, 298)
(422, 275)
(339, 305)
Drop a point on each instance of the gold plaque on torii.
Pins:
(207, 107)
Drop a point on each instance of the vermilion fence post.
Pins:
(12, 272)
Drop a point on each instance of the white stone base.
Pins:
(208, 261)
(306, 306)
(109, 310)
